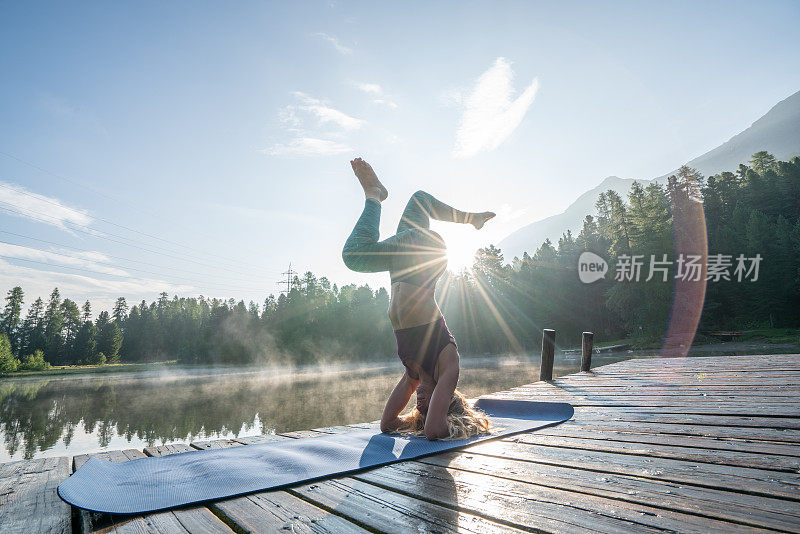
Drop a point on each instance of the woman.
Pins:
(415, 258)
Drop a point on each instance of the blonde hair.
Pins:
(463, 421)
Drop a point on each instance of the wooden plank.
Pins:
(259, 512)
(530, 506)
(264, 438)
(302, 434)
(28, 498)
(705, 502)
(112, 456)
(190, 520)
(278, 511)
(679, 438)
(384, 510)
(692, 391)
(597, 415)
(215, 444)
(742, 479)
(275, 511)
(688, 452)
(164, 450)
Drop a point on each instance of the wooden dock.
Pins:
(687, 445)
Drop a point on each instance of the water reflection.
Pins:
(71, 415)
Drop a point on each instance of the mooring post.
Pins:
(586, 351)
(548, 349)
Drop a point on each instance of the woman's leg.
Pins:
(362, 251)
(422, 207)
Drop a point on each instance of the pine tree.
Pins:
(9, 319)
(53, 322)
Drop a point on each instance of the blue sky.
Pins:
(198, 148)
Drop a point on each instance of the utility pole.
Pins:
(289, 277)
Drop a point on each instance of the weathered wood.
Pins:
(742, 479)
(275, 511)
(28, 498)
(707, 502)
(723, 440)
(587, 342)
(215, 444)
(686, 451)
(302, 434)
(278, 511)
(194, 520)
(385, 510)
(548, 350)
(530, 506)
(264, 438)
(164, 450)
(112, 456)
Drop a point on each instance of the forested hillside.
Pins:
(498, 306)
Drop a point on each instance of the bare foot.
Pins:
(373, 188)
(479, 219)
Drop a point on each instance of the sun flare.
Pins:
(461, 252)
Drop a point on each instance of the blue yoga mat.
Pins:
(150, 484)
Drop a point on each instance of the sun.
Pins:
(461, 252)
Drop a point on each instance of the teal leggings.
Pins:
(414, 244)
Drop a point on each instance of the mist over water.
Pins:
(69, 415)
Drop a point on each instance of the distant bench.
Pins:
(732, 335)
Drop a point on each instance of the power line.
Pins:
(104, 235)
(111, 255)
(110, 197)
(39, 197)
(194, 282)
(217, 288)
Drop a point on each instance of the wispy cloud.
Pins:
(376, 91)
(490, 113)
(308, 146)
(316, 128)
(325, 113)
(48, 210)
(91, 261)
(371, 88)
(342, 49)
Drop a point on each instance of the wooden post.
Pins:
(586, 351)
(548, 349)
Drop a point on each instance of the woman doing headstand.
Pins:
(415, 258)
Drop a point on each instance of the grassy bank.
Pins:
(92, 369)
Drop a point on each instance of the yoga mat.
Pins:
(150, 484)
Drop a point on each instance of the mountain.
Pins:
(777, 132)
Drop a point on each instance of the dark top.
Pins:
(422, 345)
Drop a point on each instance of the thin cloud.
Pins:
(315, 128)
(376, 91)
(371, 88)
(308, 146)
(48, 210)
(91, 261)
(490, 115)
(335, 42)
(324, 113)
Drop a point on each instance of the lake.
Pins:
(73, 414)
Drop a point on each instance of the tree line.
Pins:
(497, 306)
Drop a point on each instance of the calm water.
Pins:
(70, 415)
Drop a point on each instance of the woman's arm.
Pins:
(398, 400)
(436, 419)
